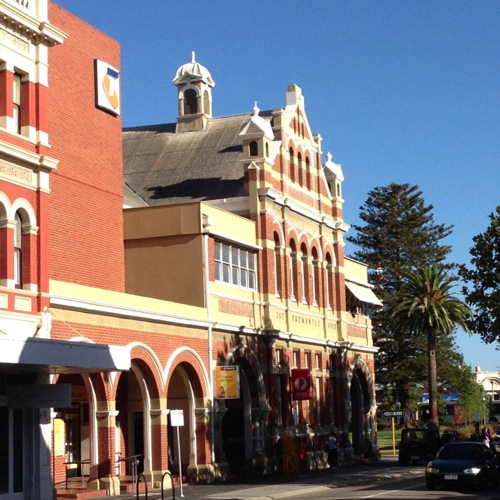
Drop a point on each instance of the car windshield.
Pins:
(462, 451)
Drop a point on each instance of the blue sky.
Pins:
(405, 92)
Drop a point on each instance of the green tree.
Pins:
(471, 401)
(427, 308)
(483, 290)
(397, 232)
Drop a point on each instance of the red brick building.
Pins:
(220, 293)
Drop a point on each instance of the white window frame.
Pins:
(235, 266)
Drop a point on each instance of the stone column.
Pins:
(103, 472)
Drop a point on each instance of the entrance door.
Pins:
(11, 453)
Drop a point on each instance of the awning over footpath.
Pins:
(61, 356)
(363, 293)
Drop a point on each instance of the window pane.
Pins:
(234, 256)
(235, 275)
(251, 280)
(244, 277)
(243, 258)
(217, 271)
(225, 252)
(217, 250)
(225, 273)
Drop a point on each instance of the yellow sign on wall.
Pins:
(227, 382)
(58, 424)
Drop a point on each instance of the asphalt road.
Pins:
(383, 480)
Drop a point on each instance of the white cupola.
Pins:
(194, 84)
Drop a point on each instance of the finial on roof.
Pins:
(328, 156)
(193, 57)
(256, 109)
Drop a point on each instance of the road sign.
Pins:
(177, 418)
(392, 413)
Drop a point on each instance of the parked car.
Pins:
(460, 464)
(418, 445)
(495, 445)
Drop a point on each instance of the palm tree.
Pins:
(429, 307)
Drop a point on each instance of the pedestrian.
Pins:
(332, 451)
(486, 436)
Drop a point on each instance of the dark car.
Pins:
(461, 464)
(418, 445)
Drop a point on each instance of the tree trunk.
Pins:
(433, 393)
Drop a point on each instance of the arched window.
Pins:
(190, 102)
(304, 282)
(254, 148)
(301, 173)
(292, 165)
(206, 103)
(293, 269)
(328, 284)
(308, 174)
(315, 277)
(18, 252)
(277, 266)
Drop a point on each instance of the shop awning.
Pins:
(61, 356)
(363, 293)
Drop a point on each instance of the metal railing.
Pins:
(134, 462)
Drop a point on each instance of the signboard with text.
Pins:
(301, 384)
(227, 382)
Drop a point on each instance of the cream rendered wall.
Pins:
(164, 253)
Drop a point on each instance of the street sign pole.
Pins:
(179, 455)
(177, 420)
(393, 436)
(393, 414)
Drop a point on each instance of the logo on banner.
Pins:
(107, 87)
(301, 383)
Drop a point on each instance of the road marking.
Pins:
(388, 492)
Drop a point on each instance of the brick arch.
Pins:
(5, 207)
(26, 211)
(360, 366)
(192, 363)
(146, 361)
(328, 250)
(243, 352)
(278, 228)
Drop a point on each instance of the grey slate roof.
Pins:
(163, 167)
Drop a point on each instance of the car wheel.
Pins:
(431, 487)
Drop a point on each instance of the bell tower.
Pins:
(194, 84)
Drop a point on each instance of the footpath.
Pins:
(300, 485)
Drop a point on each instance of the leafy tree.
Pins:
(428, 307)
(483, 292)
(398, 232)
(471, 396)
